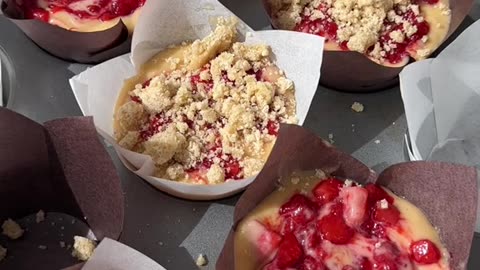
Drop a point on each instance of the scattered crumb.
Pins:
(62, 228)
(357, 107)
(393, 123)
(40, 216)
(383, 204)
(83, 248)
(348, 183)
(53, 223)
(377, 141)
(3, 253)
(160, 243)
(330, 138)
(62, 244)
(12, 229)
(73, 221)
(42, 247)
(295, 180)
(202, 260)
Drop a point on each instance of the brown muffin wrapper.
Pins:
(446, 193)
(354, 72)
(59, 167)
(82, 47)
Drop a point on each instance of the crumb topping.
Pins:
(3, 253)
(385, 30)
(214, 123)
(83, 248)
(11, 229)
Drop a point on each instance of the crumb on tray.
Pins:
(83, 248)
(12, 229)
(201, 260)
(40, 216)
(357, 107)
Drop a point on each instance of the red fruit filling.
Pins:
(327, 190)
(156, 124)
(326, 27)
(311, 226)
(103, 10)
(425, 252)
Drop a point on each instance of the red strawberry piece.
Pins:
(197, 175)
(388, 216)
(258, 74)
(289, 252)
(334, 229)
(156, 124)
(272, 127)
(93, 9)
(308, 236)
(424, 252)
(309, 263)
(123, 7)
(327, 190)
(354, 205)
(298, 206)
(136, 99)
(38, 14)
(385, 265)
(266, 241)
(348, 267)
(374, 229)
(366, 264)
(232, 168)
(377, 193)
(146, 83)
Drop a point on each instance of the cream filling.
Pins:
(414, 226)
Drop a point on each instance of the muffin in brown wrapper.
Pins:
(82, 47)
(58, 167)
(353, 72)
(446, 193)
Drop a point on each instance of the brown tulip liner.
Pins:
(82, 47)
(446, 193)
(58, 167)
(354, 72)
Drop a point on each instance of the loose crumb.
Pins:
(42, 247)
(383, 204)
(62, 244)
(12, 229)
(377, 141)
(83, 248)
(330, 138)
(3, 253)
(40, 216)
(202, 260)
(348, 183)
(357, 107)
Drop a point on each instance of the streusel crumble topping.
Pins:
(213, 114)
(385, 30)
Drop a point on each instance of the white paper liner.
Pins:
(111, 254)
(162, 24)
(442, 104)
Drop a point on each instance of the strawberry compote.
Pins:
(337, 226)
(103, 10)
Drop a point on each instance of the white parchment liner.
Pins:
(442, 104)
(162, 24)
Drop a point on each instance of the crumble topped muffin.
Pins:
(385, 30)
(206, 112)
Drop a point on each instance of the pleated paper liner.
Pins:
(446, 193)
(60, 166)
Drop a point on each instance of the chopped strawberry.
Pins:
(425, 252)
(156, 125)
(366, 264)
(334, 229)
(136, 99)
(146, 83)
(300, 207)
(385, 265)
(38, 14)
(377, 193)
(232, 168)
(389, 216)
(354, 205)
(372, 228)
(308, 236)
(309, 263)
(267, 241)
(272, 128)
(195, 80)
(327, 190)
(289, 252)
(197, 175)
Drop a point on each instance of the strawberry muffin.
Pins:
(386, 31)
(83, 15)
(208, 111)
(323, 223)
